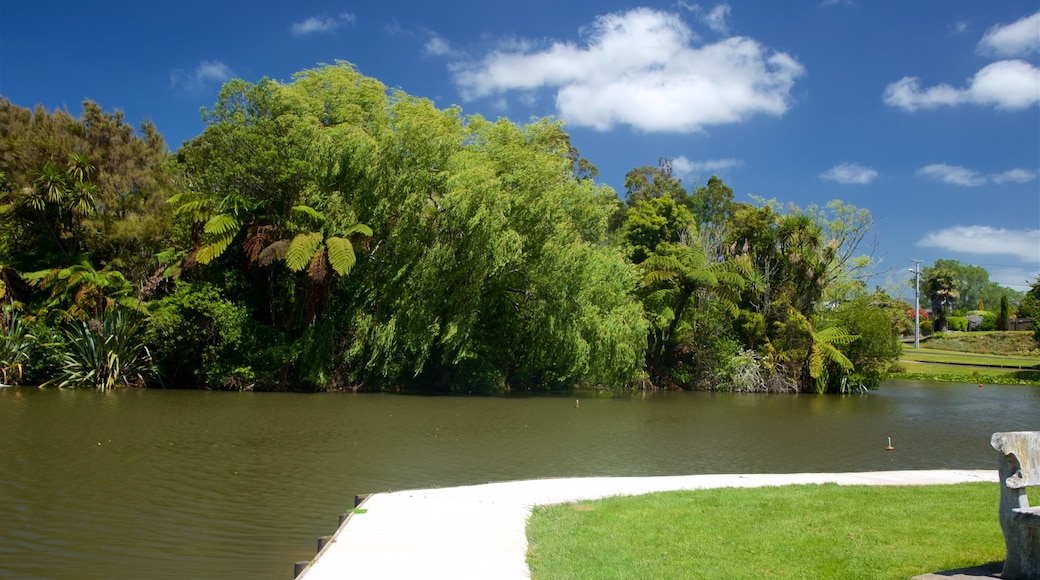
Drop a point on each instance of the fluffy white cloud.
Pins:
(641, 68)
(1019, 38)
(1015, 176)
(1025, 244)
(958, 175)
(437, 46)
(1006, 84)
(206, 73)
(683, 166)
(316, 24)
(850, 173)
(952, 174)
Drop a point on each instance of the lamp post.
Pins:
(917, 303)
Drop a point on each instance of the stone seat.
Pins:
(1029, 516)
(1019, 466)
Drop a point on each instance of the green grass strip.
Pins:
(822, 531)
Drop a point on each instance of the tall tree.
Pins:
(940, 286)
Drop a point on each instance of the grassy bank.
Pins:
(778, 532)
(962, 357)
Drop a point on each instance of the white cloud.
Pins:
(969, 178)
(1025, 244)
(827, 3)
(641, 68)
(952, 174)
(852, 173)
(316, 24)
(715, 19)
(1006, 84)
(1019, 38)
(437, 46)
(1015, 176)
(206, 73)
(683, 166)
(959, 27)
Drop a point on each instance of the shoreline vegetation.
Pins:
(823, 531)
(331, 233)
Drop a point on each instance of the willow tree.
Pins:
(491, 270)
(395, 244)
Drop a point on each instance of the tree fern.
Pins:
(341, 255)
(302, 249)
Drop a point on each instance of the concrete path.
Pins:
(479, 531)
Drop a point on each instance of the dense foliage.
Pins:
(330, 233)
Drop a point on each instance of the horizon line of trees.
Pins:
(330, 233)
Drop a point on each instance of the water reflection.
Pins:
(195, 484)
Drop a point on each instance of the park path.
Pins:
(478, 531)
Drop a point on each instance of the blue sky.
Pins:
(925, 112)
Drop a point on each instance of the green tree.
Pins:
(940, 286)
(75, 186)
(680, 276)
(648, 182)
(655, 221)
(1002, 316)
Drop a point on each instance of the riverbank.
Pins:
(480, 531)
(1002, 358)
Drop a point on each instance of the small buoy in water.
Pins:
(980, 385)
(889, 448)
(577, 404)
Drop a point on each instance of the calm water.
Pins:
(188, 484)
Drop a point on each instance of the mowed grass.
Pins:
(813, 531)
(966, 357)
(933, 355)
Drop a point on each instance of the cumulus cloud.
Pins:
(1025, 244)
(1019, 38)
(641, 68)
(1015, 176)
(852, 173)
(317, 24)
(205, 74)
(1006, 84)
(683, 166)
(952, 174)
(963, 176)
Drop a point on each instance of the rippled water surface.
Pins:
(188, 484)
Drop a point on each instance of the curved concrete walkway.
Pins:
(479, 531)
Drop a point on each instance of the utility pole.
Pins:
(917, 303)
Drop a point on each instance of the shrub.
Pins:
(957, 323)
(926, 327)
(197, 336)
(15, 345)
(876, 347)
(105, 353)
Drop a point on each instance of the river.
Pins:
(189, 484)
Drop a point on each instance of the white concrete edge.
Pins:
(527, 494)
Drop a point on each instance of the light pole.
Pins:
(917, 303)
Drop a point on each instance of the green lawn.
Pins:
(778, 532)
(966, 357)
(962, 358)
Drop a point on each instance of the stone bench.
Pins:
(1019, 466)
